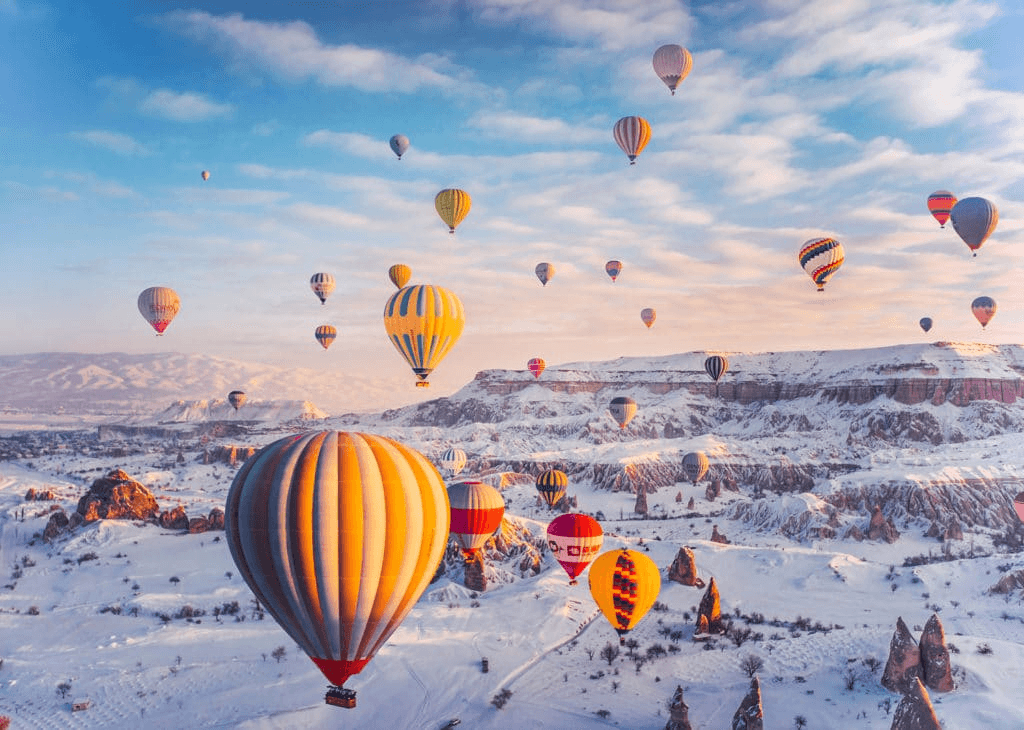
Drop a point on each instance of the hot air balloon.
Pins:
(1018, 506)
(939, 204)
(159, 305)
(974, 219)
(613, 269)
(477, 509)
(322, 285)
(206, 175)
(984, 309)
(647, 316)
(622, 409)
(236, 398)
(672, 63)
(544, 272)
(399, 275)
(399, 144)
(926, 323)
(452, 461)
(695, 466)
(337, 534)
(423, 322)
(453, 206)
(624, 584)
(536, 366)
(716, 366)
(632, 134)
(574, 540)
(552, 485)
(820, 258)
(325, 334)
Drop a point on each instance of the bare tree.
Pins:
(610, 653)
(63, 688)
(751, 664)
(278, 654)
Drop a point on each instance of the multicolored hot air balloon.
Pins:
(544, 272)
(716, 366)
(624, 584)
(647, 316)
(399, 144)
(632, 134)
(974, 219)
(1018, 506)
(672, 63)
(574, 540)
(453, 206)
(695, 466)
(622, 409)
(322, 285)
(820, 258)
(552, 485)
(205, 175)
(399, 275)
(536, 366)
(337, 534)
(325, 334)
(984, 309)
(613, 268)
(452, 461)
(237, 399)
(926, 323)
(477, 509)
(159, 305)
(939, 204)
(424, 322)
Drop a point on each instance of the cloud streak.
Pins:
(122, 144)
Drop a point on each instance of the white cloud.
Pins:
(183, 107)
(122, 144)
(360, 145)
(265, 129)
(106, 188)
(519, 127)
(227, 196)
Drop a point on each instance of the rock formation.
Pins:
(174, 519)
(903, 667)
(1008, 583)
(679, 497)
(718, 537)
(880, 528)
(915, 711)
(750, 714)
(640, 507)
(691, 504)
(935, 664)
(198, 524)
(684, 569)
(710, 611)
(45, 495)
(713, 490)
(117, 496)
(678, 717)
(57, 523)
(476, 580)
(216, 519)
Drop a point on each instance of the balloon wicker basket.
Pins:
(422, 384)
(340, 697)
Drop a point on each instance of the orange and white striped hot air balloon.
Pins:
(477, 509)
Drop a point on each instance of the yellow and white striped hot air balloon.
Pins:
(337, 534)
(453, 206)
(424, 322)
(159, 305)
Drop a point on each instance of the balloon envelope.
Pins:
(984, 309)
(632, 134)
(237, 398)
(647, 316)
(206, 175)
(551, 486)
(622, 409)
(939, 204)
(672, 63)
(399, 275)
(159, 305)
(322, 285)
(716, 366)
(536, 366)
(574, 540)
(624, 584)
(477, 509)
(613, 269)
(974, 219)
(424, 322)
(926, 323)
(399, 144)
(453, 461)
(337, 534)
(453, 206)
(821, 258)
(544, 272)
(325, 334)
(695, 465)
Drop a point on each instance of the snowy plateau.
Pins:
(804, 447)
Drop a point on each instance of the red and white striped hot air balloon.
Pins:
(477, 509)
(575, 540)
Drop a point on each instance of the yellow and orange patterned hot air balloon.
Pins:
(424, 322)
(159, 305)
(647, 316)
(632, 134)
(624, 584)
(337, 534)
(399, 275)
(326, 334)
(939, 204)
(453, 206)
(551, 486)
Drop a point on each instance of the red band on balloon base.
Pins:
(338, 671)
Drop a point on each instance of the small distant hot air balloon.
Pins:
(236, 398)
(939, 204)
(206, 175)
(536, 366)
(974, 219)
(624, 584)
(984, 309)
(424, 322)
(452, 461)
(453, 206)
(716, 366)
(337, 534)
(544, 272)
(399, 275)
(622, 409)
(477, 509)
(647, 316)
(672, 63)
(325, 334)
(632, 134)
(399, 144)
(159, 305)
(322, 285)
(695, 466)
(926, 323)
(613, 269)
(552, 485)
(820, 258)
(574, 540)
(1018, 506)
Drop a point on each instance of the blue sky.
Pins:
(799, 119)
